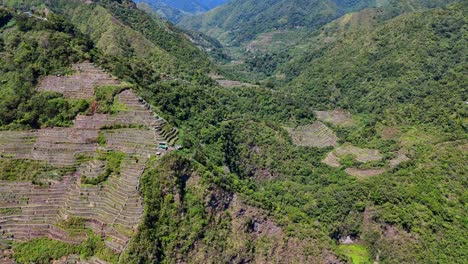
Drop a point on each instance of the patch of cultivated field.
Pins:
(17, 144)
(389, 133)
(81, 84)
(364, 173)
(362, 154)
(336, 117)
(228, 83)
(313, 135)
(332, 160)
(113, 207)
(400, 157)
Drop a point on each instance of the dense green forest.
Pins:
(419, 80)
(242, 20)
(31, 49)
(405, 74)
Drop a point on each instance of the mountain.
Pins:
(144, 39)
(403, 82)
(406, 80)
(163, 11)
(242, 20)
(122, 142)
(192, 7)
(174, 11)
(260, 58)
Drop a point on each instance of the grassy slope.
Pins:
(357, 253)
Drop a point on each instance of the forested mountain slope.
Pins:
(241, 20)
(191, 6)
(187, 197)
(254, 49)
(162, 10)
(46, 49)
(122, 30)
(409, 68)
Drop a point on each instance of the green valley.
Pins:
(282, 132)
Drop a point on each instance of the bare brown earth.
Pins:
(332, 160)
(262, 43)
(400, 157)
(389, 132)
(112, 209)
(81, 84)
(314, 135)
(336, 117)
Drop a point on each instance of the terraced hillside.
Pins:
(105, 155)
(316, 135)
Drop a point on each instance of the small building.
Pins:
(163, 145)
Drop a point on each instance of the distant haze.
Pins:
(189, 6)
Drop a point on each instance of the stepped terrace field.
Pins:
(102, 156)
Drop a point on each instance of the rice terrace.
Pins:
(97, 165)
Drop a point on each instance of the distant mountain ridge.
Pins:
(242, 20)
(175, 10)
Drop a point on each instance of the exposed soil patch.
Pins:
(81, 84)
(261, 43)
(389, 133)
(227, 83)
(363, 155)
